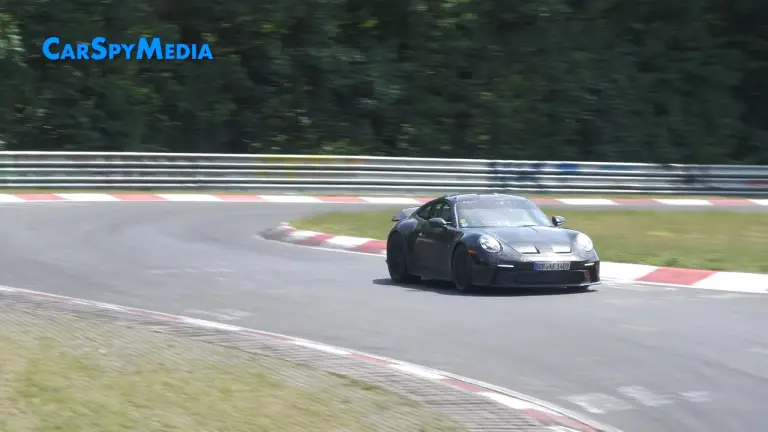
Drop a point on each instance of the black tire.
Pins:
(461, 270)
(397, 260)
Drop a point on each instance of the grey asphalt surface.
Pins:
(703, 354)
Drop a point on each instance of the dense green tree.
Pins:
(649, 80)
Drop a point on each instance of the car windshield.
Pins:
(500, 213)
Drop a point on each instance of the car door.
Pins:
(439, 241)
(421, 245)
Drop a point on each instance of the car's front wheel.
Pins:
(462, 270)
(397, 260)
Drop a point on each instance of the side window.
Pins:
(435, 212)
(443, 210)
(446, 212)
(424, 212)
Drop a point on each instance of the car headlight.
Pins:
(489, 243)
(584, 243)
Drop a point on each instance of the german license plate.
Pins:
(552, 266)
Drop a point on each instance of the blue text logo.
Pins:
(146, 48)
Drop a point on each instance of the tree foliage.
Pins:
(607, 80)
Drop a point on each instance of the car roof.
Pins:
(459, 198)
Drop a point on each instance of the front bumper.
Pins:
(512, 274)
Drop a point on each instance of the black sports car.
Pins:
(489, 240)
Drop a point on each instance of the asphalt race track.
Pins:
(642, 358)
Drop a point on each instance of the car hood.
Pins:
(544, 239)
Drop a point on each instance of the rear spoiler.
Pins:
(404, 213)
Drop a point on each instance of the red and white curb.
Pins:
(565, 420)
(307, 199)
(619, 272)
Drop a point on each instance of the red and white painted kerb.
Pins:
(639, 273)
(306, 199)
(566, 421)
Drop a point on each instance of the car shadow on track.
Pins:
(446, 288)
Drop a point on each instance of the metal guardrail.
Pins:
(367, 175)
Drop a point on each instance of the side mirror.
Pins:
(558, 220)
(396, 218)
(437, 223)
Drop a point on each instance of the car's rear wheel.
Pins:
(397, 260)
(461, 269)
